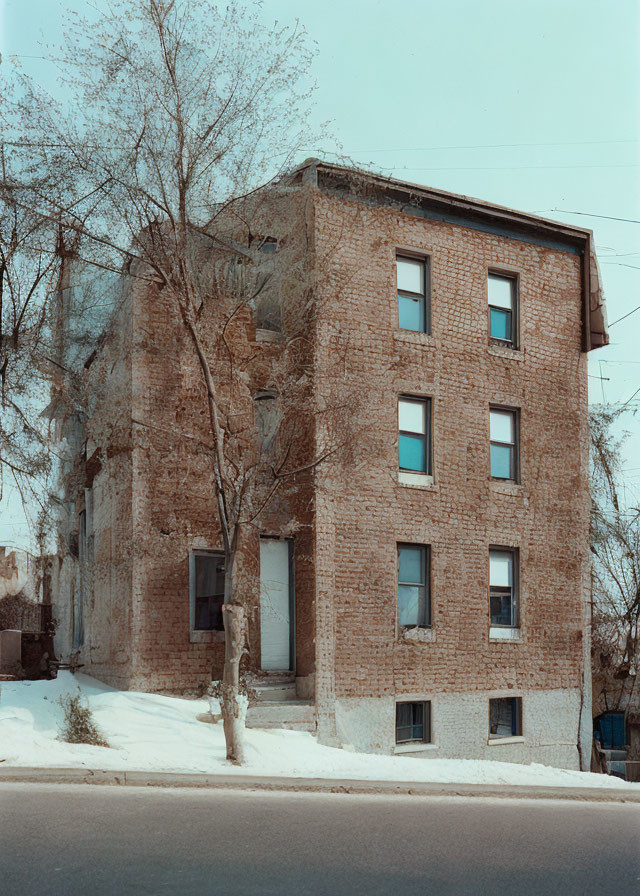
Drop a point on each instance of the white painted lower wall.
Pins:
(460, 726)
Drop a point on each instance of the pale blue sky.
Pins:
(440, 92)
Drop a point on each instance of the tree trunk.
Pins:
(233, 720)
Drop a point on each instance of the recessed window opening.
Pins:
(413, 722)
(503, 449)
(505, 717)
(503, 604)
(206, 590)
(413, 586)
(413, 287)
(414, 443)
(502, 294)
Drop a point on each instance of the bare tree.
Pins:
(184, 119)
(29, 269)
(615, 546)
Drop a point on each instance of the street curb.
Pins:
(25, 775)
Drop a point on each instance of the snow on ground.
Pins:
(150, 732)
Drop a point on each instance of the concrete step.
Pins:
(274, 693)
(273, 687)
(295, 715)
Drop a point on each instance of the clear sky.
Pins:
(532, 104)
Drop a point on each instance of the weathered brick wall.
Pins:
(347, 516)
(174, 503)
(105, 470)
(363, 511)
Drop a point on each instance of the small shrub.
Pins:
(79, 726)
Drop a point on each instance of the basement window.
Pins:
(502, 292)
(413, 723)
(413, 293)
(505, 717)
(206, 591)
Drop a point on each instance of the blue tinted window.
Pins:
(500, 324)
(412, 452)
(411, 313)
(413, 593)
(501, 467)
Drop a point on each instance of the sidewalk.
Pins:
(17, 774)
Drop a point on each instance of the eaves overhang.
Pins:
(464, 211)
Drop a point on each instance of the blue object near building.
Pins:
(609, 729)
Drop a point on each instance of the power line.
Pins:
(624, 316)
(566, 211)
(491, 146)
(525, 168)
(621, 264)
(632, 397)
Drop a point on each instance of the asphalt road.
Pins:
(94, 840)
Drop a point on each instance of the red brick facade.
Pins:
(153, 499)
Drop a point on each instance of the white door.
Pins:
(275, 617)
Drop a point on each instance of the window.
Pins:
(502, 293)
(414, 443)
(413, 305)
(503, 436)
(413, 722)
(505, 717)
(206, 590)
(502, 587)
(267, 416)
(413, 585)
(267, 299)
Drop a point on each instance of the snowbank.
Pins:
(148, 732)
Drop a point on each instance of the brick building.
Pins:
(425, 590)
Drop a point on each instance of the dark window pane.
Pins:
(411, 313)
(412, 453)
(501, 461)
(504, 717)
(409, 722)
(209, 592)
(501, 606)
(500, 324)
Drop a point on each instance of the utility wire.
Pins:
(624, 316)
(524, 168)
(566, 211)
(489, 146)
